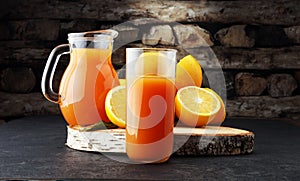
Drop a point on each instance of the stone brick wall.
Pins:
(255, 42)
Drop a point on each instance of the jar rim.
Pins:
(94, 35)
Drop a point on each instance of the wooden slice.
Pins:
(211, 140)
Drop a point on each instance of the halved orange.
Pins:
(115, 106)
(220, 116)
(195, 106)
(147, 63)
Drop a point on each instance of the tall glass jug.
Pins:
(87, 79)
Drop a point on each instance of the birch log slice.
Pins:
(211, 140)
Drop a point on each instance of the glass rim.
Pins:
(93, 35)
(154, 49)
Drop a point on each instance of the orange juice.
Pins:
(150, 119)
(85, 84)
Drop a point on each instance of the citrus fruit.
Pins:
(115, 105)
(220, 116)
(122, 81)
(195, 106)
(188, 72)
(147, 63)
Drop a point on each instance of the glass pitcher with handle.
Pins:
(87, 79)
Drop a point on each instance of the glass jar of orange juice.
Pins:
(87, 79)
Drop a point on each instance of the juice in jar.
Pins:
(150, 119)
(85, 84)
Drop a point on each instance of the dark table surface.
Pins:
(33, 148)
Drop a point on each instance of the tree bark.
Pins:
(211, 140)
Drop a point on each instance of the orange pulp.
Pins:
(150, 119)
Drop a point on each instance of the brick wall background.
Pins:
(256, 43)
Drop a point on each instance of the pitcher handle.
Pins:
(49, 71)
